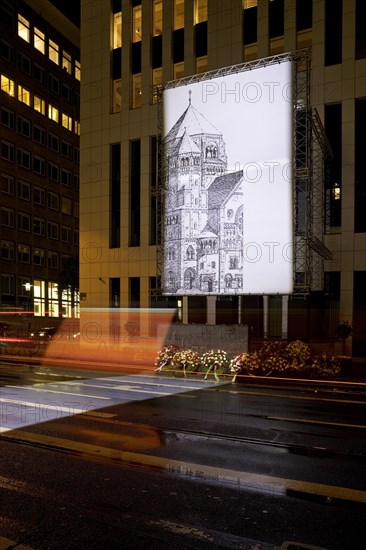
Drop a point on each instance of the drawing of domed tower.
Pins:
(195, 158)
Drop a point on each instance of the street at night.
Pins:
(101, 460)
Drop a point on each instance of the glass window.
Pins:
(7, 118)
(77, 70)
(157, 17)
(39, 40)
(24, 158)
(23, 221)
(67, 121)
(53, 142)
(23, 28)
(7, 284)
(24, 95)
(53, 52)
(39, 225)
(53, 306)
(39, 295)
(66, 206)
(157, 80)
(7, 217)
(7, 184)
(53, 171)
(53, 201)
(39, 74)
(136, 91)
(200, 11)
(39, 105)
(7, 250)
(24, 63)
(52, 230)
(24, 253)
(39, 255)
(117, 96)
(24, 190)
(52, 259)
(24, 126)
(66, 62)
(178, 14)
(137, 24)
(7, 151)
(77, 127)
(249, 4)
(53, 113)
(39, 134)
(39, 196)
(7, 85)
(66, 234)
(66, 149)
(39, 165)
(117, 30)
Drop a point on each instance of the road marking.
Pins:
(243, 480)
(304, 420)
(47, 390)
(70, 410)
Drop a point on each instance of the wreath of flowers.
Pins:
(186, 359)
(215, 359)
(298, 351)
(165, 357)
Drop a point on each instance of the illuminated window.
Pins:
(53, 307)
(24, 253)
(39, 40)
(200, 11)
(23, 28)
(157, 80)
(201, 64)
(136, 91)
(7, 85)
(66, 206)
(66, 62)
(137, 24)
(117, 96)
(24, 95)
(179, 70)
(39, 298)
(157, 17)
(39, 105)
(178, 14)
(67, 121)
(77, 127)
(117, 30)
(77, 70)
(249, 4)
(53, 113)
(53, 52)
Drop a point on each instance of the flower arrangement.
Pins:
(245, 362)
(186, 360)
(213, 360)
(165, 357)
(299, 352)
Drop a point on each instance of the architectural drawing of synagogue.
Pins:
(203, 237)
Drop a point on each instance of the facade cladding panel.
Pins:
(40, 121)
(190, 47)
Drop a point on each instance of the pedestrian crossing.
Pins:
(22, 406)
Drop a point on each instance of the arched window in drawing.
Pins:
(170, 280)
(239, 220)
(228, 281)
(190, 253)
(189, 277)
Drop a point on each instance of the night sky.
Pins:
(70, 9)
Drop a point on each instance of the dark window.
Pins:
(7, 118)
(154, 197)
(54, 84)
(178, 46)
(24, 158)
(304, 14)
(134, 292)
(360, 166)
(7, 52)
(360, 45)
(135, 154)
(7, 14)
(53, 142)
(276, 18)
(359, 314)
(136, 57)
(39, 135)
(200, 32)
(333, 167)
(24, 63)
(39, 74)
(24, 126)
(333, 32)
(39, 165)
(115, 291)
(66, 92)
(157, 51)
(117, 63)
(115, 196)
(250, 25)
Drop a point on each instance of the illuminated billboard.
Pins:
(228, 211)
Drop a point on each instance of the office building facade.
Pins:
(39, 162)
(130, 48)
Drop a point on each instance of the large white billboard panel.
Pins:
(228, 178)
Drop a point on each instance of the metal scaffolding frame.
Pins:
(310, 150)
